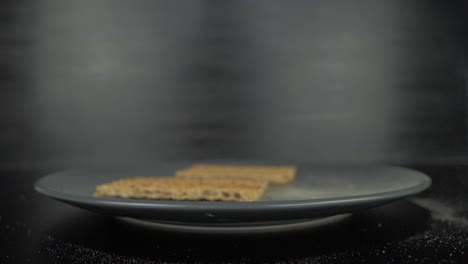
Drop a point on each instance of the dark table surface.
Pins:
(429, 228)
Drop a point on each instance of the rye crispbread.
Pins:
(170, 188)
(273, 174)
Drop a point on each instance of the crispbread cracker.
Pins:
(171, 188)
(273, 174)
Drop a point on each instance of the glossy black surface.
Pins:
(430, 229)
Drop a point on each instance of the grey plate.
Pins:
(318, 191)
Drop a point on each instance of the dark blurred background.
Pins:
(94, 81)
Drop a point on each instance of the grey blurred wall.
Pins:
(121, 81)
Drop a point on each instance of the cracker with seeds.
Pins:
(171, 188)
(272, 174)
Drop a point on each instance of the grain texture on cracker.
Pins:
(171, 188)
(273, 174)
